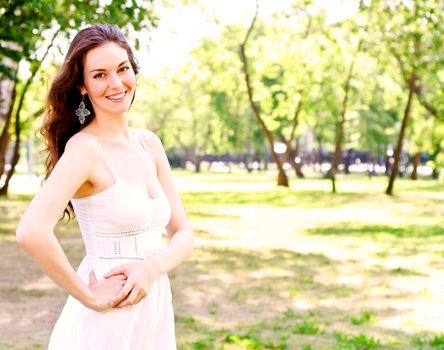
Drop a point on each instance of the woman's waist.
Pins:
(130, 245)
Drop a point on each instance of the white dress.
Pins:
(119, 225)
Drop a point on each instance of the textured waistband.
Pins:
(136, 244)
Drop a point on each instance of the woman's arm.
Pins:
(179, 230)
(35, 230)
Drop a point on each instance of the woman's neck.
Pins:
(110, 126)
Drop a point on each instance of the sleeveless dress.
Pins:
(119, 225)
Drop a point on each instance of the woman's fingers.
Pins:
(140, 297)
(133, 298)
(138, 281)
(116, 271)
(119, 277)
(126, 289)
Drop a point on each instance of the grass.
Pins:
(356, 342)
(363, 318)
(275, 268)
(356, 229)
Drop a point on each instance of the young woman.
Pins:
(119, 184)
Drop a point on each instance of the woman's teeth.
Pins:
(117, 97)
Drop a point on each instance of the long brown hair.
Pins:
(64, 96)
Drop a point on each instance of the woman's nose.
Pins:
(114, 81)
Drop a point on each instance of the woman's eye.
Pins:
(124, 68)
(100, 75)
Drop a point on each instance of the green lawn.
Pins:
(275, 268)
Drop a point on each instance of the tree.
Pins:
(282, 179)
(414, 33)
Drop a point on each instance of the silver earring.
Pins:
(82, 112)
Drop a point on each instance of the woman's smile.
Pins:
(118, 97)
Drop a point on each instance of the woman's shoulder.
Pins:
(83, 143)
(150, 138)
(154, 144)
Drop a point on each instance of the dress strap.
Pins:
(139, 136)
(105, 158)
(157, 182)
(145, 148)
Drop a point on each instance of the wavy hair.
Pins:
(64, 96)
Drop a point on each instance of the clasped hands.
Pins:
(124, 285)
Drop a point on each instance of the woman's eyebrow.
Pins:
(103, 70)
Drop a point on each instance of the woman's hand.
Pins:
(140, 277)
(105, 290)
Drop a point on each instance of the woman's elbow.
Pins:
(23, 234)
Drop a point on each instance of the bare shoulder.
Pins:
(153, 142)
(82, 143)
(150, 138)
(155, 147)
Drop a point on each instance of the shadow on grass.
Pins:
(247, 294)
(359, 229)
(238, 297)
(238, 276)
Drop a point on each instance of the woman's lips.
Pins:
(117, 97)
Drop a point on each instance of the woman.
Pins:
(119, 184)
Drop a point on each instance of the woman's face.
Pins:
(109, 79)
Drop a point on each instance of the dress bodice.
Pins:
(121, 222)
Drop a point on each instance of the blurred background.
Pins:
(349, 86)
(307, 141)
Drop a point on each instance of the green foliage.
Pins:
(306, 328)
(245, 341)
(435, 342)
(25, 23)
(298, 57)
(355, 342)
(364, 318)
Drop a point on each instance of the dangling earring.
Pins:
(82, 111)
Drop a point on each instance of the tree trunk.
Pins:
(282, 179)
(416, 159)
(246, 159)
(197, 161)
(398, 150)
(16, 152)
(340, 131)
(5, 136)
(435, 169)
(297, 167)
(14, 161)
(287, 142)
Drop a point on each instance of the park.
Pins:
(307, 146)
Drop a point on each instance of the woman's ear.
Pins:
(82, 90)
